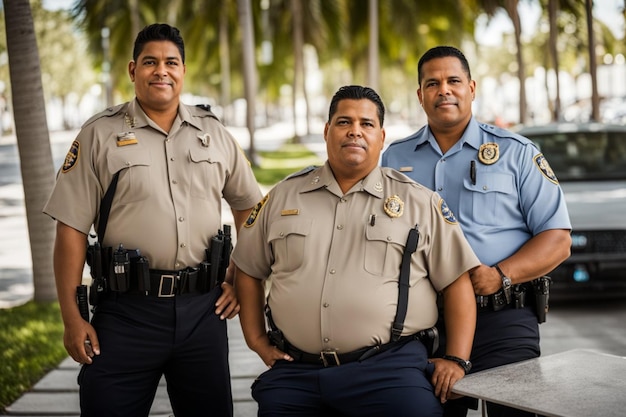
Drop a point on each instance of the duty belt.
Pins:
(333, 358)
(170, 283)
(498, 300)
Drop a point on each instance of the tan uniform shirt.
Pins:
(169, 195)
(334, 259)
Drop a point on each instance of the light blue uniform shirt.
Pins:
(510, 201)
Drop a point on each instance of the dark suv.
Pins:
(590, 162)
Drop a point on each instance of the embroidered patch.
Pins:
(489, 153)
(256, 211)
(394, 206)
(71, 159)
(544, 167)
(447, 214)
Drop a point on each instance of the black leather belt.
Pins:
(332, 358)
(521, 296)
(171, 283)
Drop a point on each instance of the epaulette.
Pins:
(504, 133)
(111, 111)
(203, 110)
(301, 172)
(398, 176)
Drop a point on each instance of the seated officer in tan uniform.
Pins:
(173, 164)
(331, 239)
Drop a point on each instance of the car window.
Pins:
(584, 156)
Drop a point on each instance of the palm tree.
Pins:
(595, 100)
(32, 139)
(249, 68)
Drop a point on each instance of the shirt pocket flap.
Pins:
(127, 158)
(290, 226)
(386, 230)
(494, 182)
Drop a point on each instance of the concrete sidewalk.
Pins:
(56, 394)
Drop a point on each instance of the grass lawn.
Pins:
(31, 335)
(31, 345)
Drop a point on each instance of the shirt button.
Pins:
(332, 271)
(181, 219)
(183, 245)
(171, 159)
(177, 265)
(388, 238)
(127, 163)
(485, 187)
(326, 340)
(340, 227)
(326, 305)
(440, 188)
(174, 182)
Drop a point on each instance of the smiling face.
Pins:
(354, 138)
(158, 74)
(446, 93)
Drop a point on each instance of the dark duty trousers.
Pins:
(395, 383)
(141, 339)
(502, 337)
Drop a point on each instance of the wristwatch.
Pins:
(465, 364)
(506, 284)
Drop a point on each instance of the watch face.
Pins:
(506, 281)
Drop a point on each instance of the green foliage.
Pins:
(31, 344)
(290, 158)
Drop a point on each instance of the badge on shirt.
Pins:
(71, 159)
(130, 121)
(256, 211)
(394, 206)
(544, 167)
(489, 153)
(447, 214)
(126, 138)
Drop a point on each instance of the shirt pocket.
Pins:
(287, 238)
(490, 198)
(134, 183)
(206, 171)
(384, 246)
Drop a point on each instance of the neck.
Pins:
(164, 118)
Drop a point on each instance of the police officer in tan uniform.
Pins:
(332, 239)
(175, 163)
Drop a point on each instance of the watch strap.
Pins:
(464, 364)
(506, 283)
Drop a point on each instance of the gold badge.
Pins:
(126, 138)
(72, 157)
(256, 211)
(489, 153)
(394, 206)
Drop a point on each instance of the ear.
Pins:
(419, 96)
(131, 70)
(472, 85)
(326, 131)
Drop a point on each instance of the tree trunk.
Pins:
(595, 99)
(511, 9)
(224, 50)
(552, 12)
(33, 141)
(373, 58)
(298, 70)
(249, 74)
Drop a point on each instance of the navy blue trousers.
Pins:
(394, 383)
(502, 337)
(143, 338)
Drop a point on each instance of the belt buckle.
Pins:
(172, 286)
(332, 355)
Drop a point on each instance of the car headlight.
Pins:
(579, 241)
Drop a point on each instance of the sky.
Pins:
(606, 11)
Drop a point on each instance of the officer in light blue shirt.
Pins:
(507, 200)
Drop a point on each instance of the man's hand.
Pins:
(81, 341)
(227, 306)
(485, 280)
(444, 377)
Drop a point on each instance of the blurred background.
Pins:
(303, 50)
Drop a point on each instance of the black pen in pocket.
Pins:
(473, 172)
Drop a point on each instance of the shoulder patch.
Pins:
(71, 159)
(301, 172)
(544, 167)
(254, 214)
(111, 111)
(445, 211)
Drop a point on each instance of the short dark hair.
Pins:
(442, 52)
(158, 32)
(357, 92)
